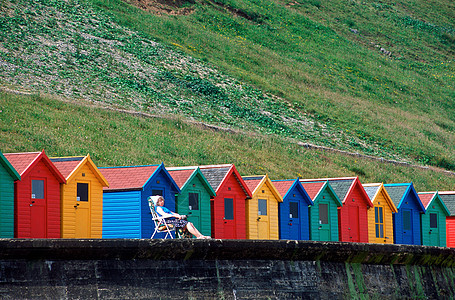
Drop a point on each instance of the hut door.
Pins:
(194, 211)
(294, 221)
(324, 226)
(228, 219)
(434, 230)
(82, 208)
(38, 216)
(354, 225)
(263, 220)
(408, 237)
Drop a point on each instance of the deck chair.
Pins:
(160, 222)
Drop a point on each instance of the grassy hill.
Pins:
(375, 78)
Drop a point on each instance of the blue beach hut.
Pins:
(126, 213)
(294, 210)
(407, 221)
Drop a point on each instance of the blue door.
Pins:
(294, 221)
(408, 232)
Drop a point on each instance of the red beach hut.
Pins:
(228, 206)
(37, 195)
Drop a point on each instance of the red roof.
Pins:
(181, 176)
(21, 161)
(313, 188)
(426, 198)
(283, 186)
(127, 177)
(67, 166)
(253, 183)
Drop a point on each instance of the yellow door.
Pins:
(82, 208)
(263, 219)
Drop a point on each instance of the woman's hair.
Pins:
(156, 198)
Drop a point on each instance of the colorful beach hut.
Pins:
(8, 175)
(81, 197)
(294, 210)
(262, 208)
(448, 197)
(353, 215)
(126, 212)
(324, 211)
(37, 195)
(434, 219)
(406, 222)
(228, 206)
(194, 197)
(380, 217)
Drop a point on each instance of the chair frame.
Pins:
(161, 221)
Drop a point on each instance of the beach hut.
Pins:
(194, 197)
(228, 206)
(126, 212)
(324, 211)
(380, 217)
(37, 195)
(294, 223)
(353, 215)
(262, 208)
(81, 197)
(7, 177)
(448, 197)
(434, 219)
(406, 222)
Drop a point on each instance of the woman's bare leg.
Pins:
(193, 230)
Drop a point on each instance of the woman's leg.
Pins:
(193, 230)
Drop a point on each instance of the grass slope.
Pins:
(31, 123)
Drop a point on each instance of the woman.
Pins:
(174, 218)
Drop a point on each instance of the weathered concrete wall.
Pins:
(150, 269)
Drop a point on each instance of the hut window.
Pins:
(323, 213)
(82, 191)
(293, 210)
(433, 221)
(37, 189)
(406, 220)
(228, 209)
(262, 207)
(193, 201)
(379, 221)
(157, 192)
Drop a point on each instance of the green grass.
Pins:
(114, 138)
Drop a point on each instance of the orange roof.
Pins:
(21, 161)
(283, 186)
(181, 176)
(127, 177)
(313, 188)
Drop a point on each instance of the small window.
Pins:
(82, 191)
(293, 210)
(228, 208)
(433, 221)
(262, 207)
(157, 192)
(379, 221)
(37, 189)
(406, 220)
(323, 213)
(193, 201)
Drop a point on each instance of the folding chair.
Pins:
(160, 222)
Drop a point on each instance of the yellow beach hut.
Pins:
(261, 210)
(81, 197)
(380, 216)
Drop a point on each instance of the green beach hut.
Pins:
(434, 219)
(7, 177)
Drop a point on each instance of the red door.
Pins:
(229, 219)
(354, 226)
(38, 208)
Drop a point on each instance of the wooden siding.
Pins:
(412, 237)
(122, 215)
(6, 204)
(182, 205)
(440, 241)
(380, 200)
(450, 231)
(23, 200)
(327, 198)
(353, 228)
(262, 192)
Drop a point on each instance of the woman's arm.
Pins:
(164, 214)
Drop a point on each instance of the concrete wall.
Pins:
(229, 269)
